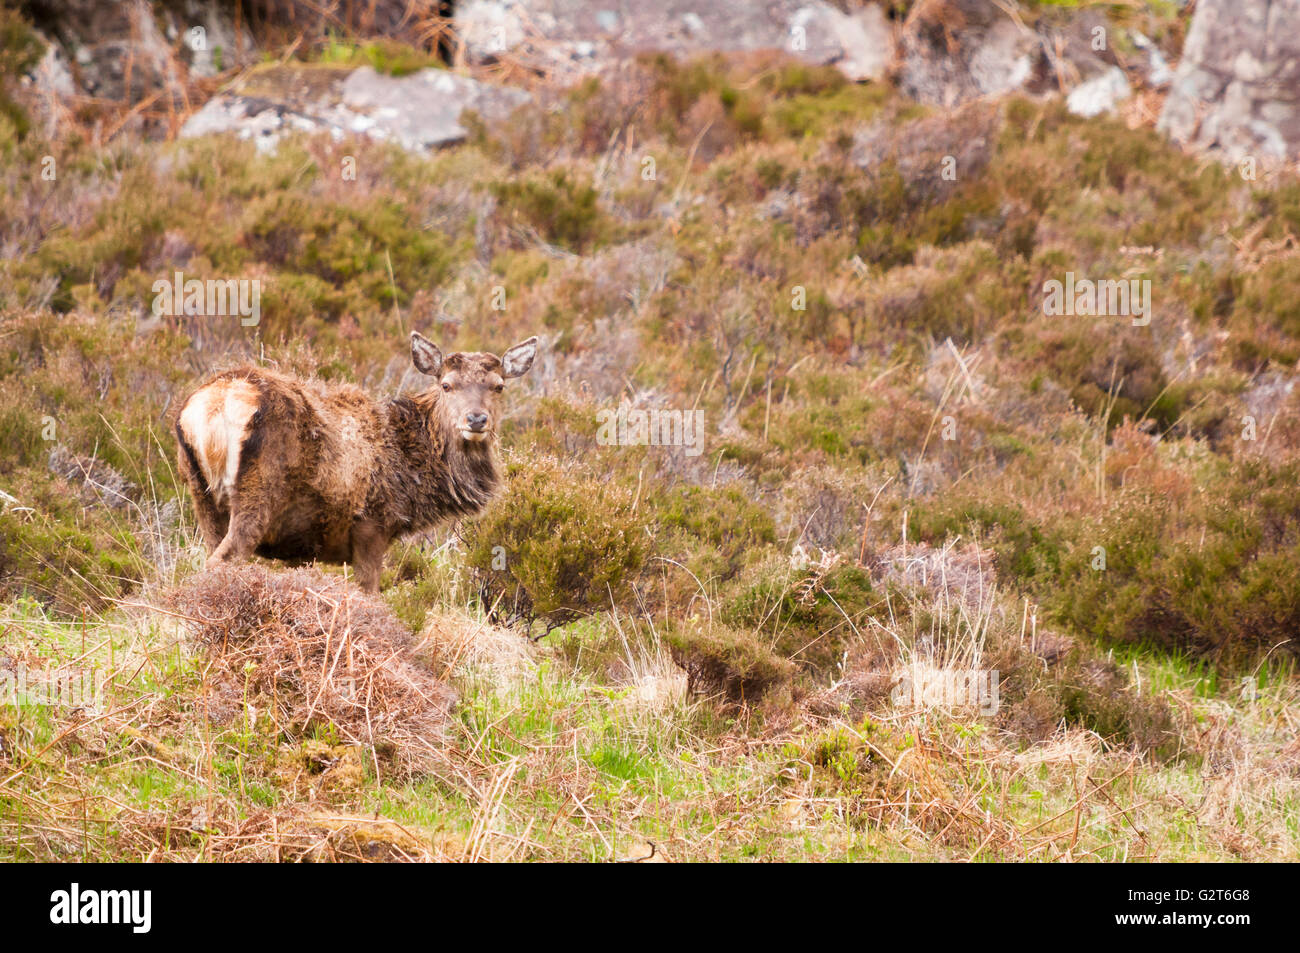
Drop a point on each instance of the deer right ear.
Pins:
(425, 355)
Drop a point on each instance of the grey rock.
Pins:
(1237, 89)
(974, 51)
(418, 112)
(51, 76)
(1158, 72)
(582, 36)
(423, 110)
(224, 41)
(1099, 95)
(964, 50)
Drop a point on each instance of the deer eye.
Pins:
(446, 386)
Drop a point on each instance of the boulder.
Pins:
(420, 111)
(956, 51)
(1237, 89)
(961, 50)
(1101, 94)
(129, 50)
(582, 36)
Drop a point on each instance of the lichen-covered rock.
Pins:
(1101, 94)
(962, 50)
(955, 51)
(587, 35)
(418, 112)
(1237, 88)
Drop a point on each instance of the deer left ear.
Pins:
(425, 355)
(516, 361)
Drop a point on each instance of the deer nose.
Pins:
(477, 422)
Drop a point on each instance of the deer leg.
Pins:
(369, 544)
(250, 515)
(246, 529)
(213, 522)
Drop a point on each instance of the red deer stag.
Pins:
(300, 469)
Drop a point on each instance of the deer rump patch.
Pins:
(215, 423)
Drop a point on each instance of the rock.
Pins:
(418, 112)
(260, 120)
(1158, 74)
(860, 43)
(49, 82)
(1101, 94)
(51, 76)
(1237, 89)
(489, 27)
(581, 36)
(965, 49)
(133, 52)
(214, 40)
(955, 51)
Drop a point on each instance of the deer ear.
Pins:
(425, 355)
(516, 361)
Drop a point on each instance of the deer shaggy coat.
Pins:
(304, 470)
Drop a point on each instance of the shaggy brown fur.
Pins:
(303, 470)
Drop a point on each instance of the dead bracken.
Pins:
(312, 650)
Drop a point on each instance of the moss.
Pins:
(386, 56)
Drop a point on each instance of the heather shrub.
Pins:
(557, 544)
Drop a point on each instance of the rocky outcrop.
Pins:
(162, 56)
(130, 50)
(1237, 88)
(577, 36)
(418, 112)
(961, 50)
(955, 51)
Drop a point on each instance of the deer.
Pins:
(305, 470)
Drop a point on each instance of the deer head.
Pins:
(469, 385)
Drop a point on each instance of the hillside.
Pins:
(908, 464)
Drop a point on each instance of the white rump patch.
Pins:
(215, 422)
